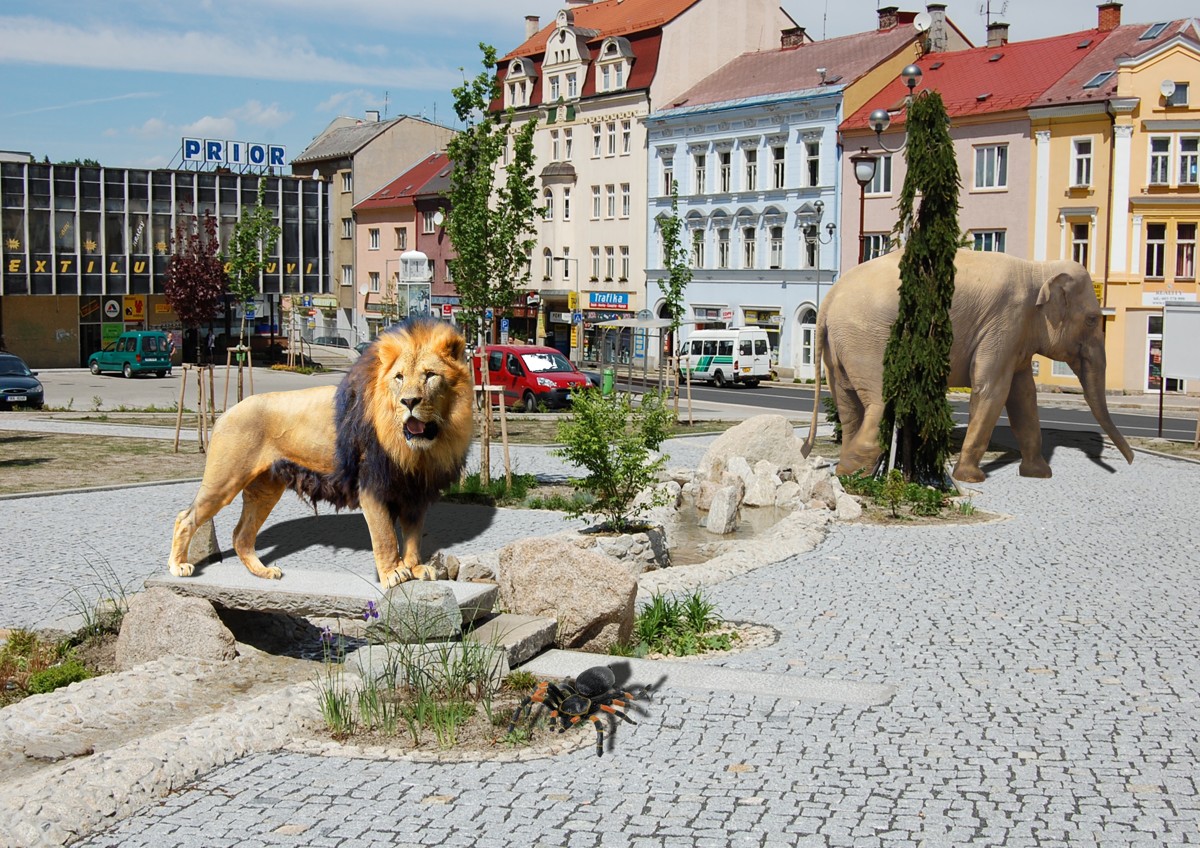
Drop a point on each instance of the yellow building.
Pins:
(1115, 186)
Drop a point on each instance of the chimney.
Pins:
(532, 24)
(887, 17)
(792, 37)
(997, 34)
(1110, 16)
(373, 116)
(938, 37)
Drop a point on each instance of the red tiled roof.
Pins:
(610, 17)
(986, 80)
(787, 69)
(402, 190)
(1122, 42)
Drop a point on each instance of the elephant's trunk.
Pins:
(1091, 377)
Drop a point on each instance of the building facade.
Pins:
(84, 251)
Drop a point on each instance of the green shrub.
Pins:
(49, 679)
(679, 627)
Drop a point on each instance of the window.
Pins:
(812, 160)
(449, 271)
(373, 238)
(1179, 97)
(610, 263)
(625, 201)
(566, 263)
(555, 150)
(555, 91)
(724, 171)
(595, 263)
(748, 244)
(596, 141)
(1185, 252)
(547, 205)
(1080, 237)
(991, 166)
(699, 162)
(566, 201)
(347, 275)
(610, 130)
(547, 264)
(595, 203)
(881, 183)
(606, 76)
(751, 170)
(568, 144)
(401, 238)
(1160, 160)
(626, 137)
(991, 241)
(1188, 159)
(876, 244)
(620, 72)
(347, 228)
(776, 247)
(374, 279)
(668, 176)
(625, 262)
(778, 170)
(572, 87)
(1081, 163)
(722, 248)
(1156, 248)
(610, 197)
(347, 182)
(1154, 32)
(697, 248)
(1099, 79)
(810, 253)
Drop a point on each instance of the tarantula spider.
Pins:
(579, 698)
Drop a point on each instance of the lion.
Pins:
(387, 439)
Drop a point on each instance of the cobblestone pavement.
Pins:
(1046, 666)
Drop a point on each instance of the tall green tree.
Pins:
(916, 364)
(677, 263)
(250, 248)
(492, 205)
(196, 280)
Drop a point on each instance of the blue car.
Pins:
(19, 387)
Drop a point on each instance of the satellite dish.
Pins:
(1166, 88)
(922, 21)
(316, 174)
(438, 218)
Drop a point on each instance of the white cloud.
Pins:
(152, 128)
(256, 114)
(210, 127)
(336, 102)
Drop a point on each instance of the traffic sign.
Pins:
(504, 325)
(644, 314)
(488, 314)
(577, 318)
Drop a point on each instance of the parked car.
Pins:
(331, 341)
(134, 352)
(532, 376)
(361, 347)
(18, 385)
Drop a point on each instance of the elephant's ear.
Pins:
(1052, 298)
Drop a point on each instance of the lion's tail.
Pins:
(315, 487)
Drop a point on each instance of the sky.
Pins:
(123, 81)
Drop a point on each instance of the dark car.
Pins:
(18, 385)
(331, 341)
(361, 347)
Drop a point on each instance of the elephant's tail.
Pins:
(818, 354)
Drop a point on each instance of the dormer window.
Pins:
(519, 82)
(613, 64)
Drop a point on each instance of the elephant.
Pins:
(1005, 310)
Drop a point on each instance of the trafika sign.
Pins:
(234, 153)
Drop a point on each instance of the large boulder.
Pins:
(769, 437)
(590, 595)
(161, 623)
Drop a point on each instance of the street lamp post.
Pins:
(576, 325)
(812, 233)
(880, 119)
(864, 171)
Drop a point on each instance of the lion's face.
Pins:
(423, 389)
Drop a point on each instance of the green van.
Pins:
(134, 352)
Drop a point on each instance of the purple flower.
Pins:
(326, 634)
(371, 611)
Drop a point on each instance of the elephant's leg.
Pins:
(860, 433)
(258, 499)
(1026, 426)
(987, 399)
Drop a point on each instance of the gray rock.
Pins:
(723, 514)
(590, 596)
(418, 611)
(848, 507)
(521, 636)
(787, 496)
(769, 437)
(161, 623)
(204, 547)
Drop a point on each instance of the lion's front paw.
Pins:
(182, 569)
(272, 573)
(424, 572)
(395, 577)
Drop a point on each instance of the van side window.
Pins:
(726, 348)
(151, 343)
(760, 347)
(710, 347)
(745, 347)
(122, 343)
(696, 345)
(494, 360)
(514, 367)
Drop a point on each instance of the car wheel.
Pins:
(94, 367)
(529, 402)
(162, 373)
(752, 384)
(719, 380)
(126, 371)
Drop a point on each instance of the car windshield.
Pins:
(10, 366)
(540, 363)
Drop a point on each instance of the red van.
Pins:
(532, 376)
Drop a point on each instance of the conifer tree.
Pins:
(916, 365)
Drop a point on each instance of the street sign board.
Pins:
(644, 314)
(577, 317)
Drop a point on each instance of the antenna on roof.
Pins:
(385, 104)
(985, 9)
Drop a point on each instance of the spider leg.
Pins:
(599, 734)
(616, 712)
(537, 697)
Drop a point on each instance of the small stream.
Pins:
(692, 544)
